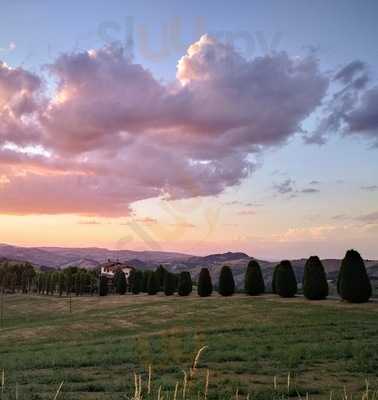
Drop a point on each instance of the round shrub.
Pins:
(205, 286)
(153, 284)
(285, 281)
(353, 283)
(226, 282)
(120, 283)
(169, 284)
(315, 285)
(137, 285)
(254, 280)
(185, 285)
(103, 290)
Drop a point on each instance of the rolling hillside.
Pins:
(58, 257)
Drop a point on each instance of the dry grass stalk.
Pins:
(149, 379)
(58, 391)
(2, 382)
(184, 385)
(366, 394)
(176, 390)
(159, 393)
(138, 387)
(207, 383)
(195, 362)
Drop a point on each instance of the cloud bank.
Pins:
(111, 134)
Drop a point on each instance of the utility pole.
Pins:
(70, 302)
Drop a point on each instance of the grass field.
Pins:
(95, 350)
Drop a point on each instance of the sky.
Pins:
(195, 127)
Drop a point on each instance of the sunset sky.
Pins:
(197, 126)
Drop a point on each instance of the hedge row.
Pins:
(353, 283)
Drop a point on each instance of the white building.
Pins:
(109, 269)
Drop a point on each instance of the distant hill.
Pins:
(92, 257)
(61, 257)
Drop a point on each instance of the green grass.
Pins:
(96, 349)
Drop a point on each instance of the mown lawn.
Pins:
(325, 346)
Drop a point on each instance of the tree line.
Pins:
(353, 283)
(22, 277)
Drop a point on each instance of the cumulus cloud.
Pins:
(19, 90)
(112, 134)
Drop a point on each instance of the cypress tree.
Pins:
(103, 290)
(76, 283)
(226, 282)
(353, 281)
(285, 280)
(185, 284)
(160, 273)
(120, 283)
(205, 286)
(315, 285)
(61, 284)
(137, 282)
(169, 284)
(130, 280)
(153, 283)
(254, 280)
(146, 277)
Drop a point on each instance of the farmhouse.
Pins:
(110, 267)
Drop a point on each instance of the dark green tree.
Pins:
(185, 285)
(315, 285)
(254, 280)
(205, 286)
(160, 273)
(69, 281)
(77, 283)
(146, 277)
(131, 279)
(119, 281)
(285, 280)
(169, 284)
(103, 290)
(93, 282)
(226, 282)
(61, 283)
(138, 282)
(153, 285)
(353, 282)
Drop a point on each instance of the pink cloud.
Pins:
(113, 134)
